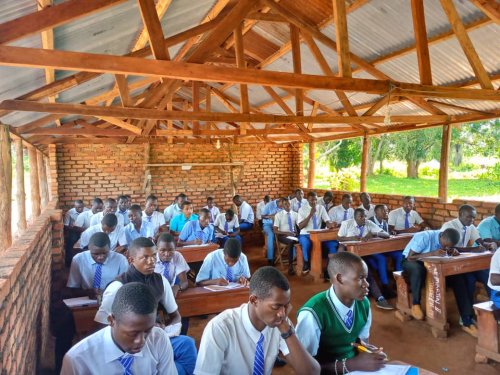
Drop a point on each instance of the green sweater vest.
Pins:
(335, 341)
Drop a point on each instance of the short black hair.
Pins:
(165, 237)
(346, 195)
(297, 190)
(340, 262)
(465, 207)
(363, 194)
(230, 212)
(139, 243)
(210, 199)
(110, 200)
(151, 197)
(409, 197)
(122, 197)
(99, 239)
(96, 201)
(203, 211)
(379, 207)
(110, 220)
(236, 197)
(135, 207)
(136, 298)
(182, 195)
(359, 211)
(232, 248)
(284, 199)
(452, 235)
(186, 203)
(312, 194)
(78, 201)
(267, 198)
(266, 278)
(497, 209)
(328, 194)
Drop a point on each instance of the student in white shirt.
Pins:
(137, 227)
(83, 220)
(247, 339)
(151, 215)
(285, 225)
(327, 201)
(343, 211)
(260, 207)
(131, 344)
(494, 283)
(123, 206)
(171, 264)
(214, 210)
(175, 208)
(366, 204)
(405, 219)
(72, 214)
(227, 226)
(110, 207)
(109, 225)
(245, 217)
(71, 232)
(298, 200)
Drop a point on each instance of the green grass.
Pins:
(463, 188)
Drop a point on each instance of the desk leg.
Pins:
(316, 261)
(300, 259)
(435, 295)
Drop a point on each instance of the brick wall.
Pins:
(87, 171)
(25, 279)
(432, 210)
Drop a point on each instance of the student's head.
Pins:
(109, 223)
(133, 315)
(365, 199)
(99, 245)
(122, 203)
(467, 214)
(204, 217)
(109, 206)
(285, 203)
(142, 255)
(346, 201)
(328, 197)
(360, 216)
(279, 203)
(381, 212)
(238, 201)
(232, 251)
(299, 194)
(129, 200)
(312, 198)
(181, 198)
(497, 212)
(96, 205)
(135, 214)
(269, 296)
(408, 203)
(210, 202)
(151, 205)
(187, 208)
(229, 214)
(267, 198)
(449, 238)
(166, 247)
(348, 273)
(78, 205)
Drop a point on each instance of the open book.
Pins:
(217, 288)
(80, 302)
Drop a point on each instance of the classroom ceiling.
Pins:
(183, 71)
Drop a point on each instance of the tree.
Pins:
(477, 138)
(379, 148)
(341, 154)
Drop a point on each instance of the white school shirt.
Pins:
(308, 330)
(370, 212)
(116, 237)
(124, 215)
(322, 203)
(320, 214)
(167, 300)
(215, 267)
(337, 214)
(171, 211)
(229, 341)
(214, 213)
(397, 218)
(71, 216)
(259, 208)
(471, 232)
(246, 213)
(83, 220)
(178, 265)
(494, 268)
(220, 223)
(294, 204)
(97, 218)
(349, 228)
(81, 274)
(98, 354)
(281, 220)
(156, 218)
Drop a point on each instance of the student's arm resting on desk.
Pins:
(415, 255)
(205, 275)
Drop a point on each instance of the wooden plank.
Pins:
(121, 124)
(122, 86)
(196, 105)
(489, 7)
(42, 179)
(240, 63)
(34, 183)
(466, 44)
(144, 35)
(200, 301)
(378, 246)
(153, 26)
(26, 128)
(278, 100)
(92, 131)
(365, 154)
(342, 38)
(6, 190)
(194, 253)
(443, 164)
(20, 191)
(312, 165)
(265, 17)
(297, 68)
(420, 31)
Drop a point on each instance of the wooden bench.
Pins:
(200, 301)
(403, 304)
(194, 254)
(488, 339)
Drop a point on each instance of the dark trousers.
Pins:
(290, 243)
(71, 237)
(462, 296)
(416, 272)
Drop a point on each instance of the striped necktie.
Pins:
(361, 229)
(226, 227)
(258, 363)
(126, 361)
(315, 222)
(211, 215)
(290, 225)
(300, 204)
(150, 218)
(345, 215)
(229, 274)
(407, 220)
(97, 276)
(465, 232)
(166, 271)
(349, 320)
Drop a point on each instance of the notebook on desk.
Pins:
(389, 370)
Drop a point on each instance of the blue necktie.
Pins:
(229, 274)
(290, 225)
(465, 232)
(315, 222)
(226, 227)
(166, 271)
(361, 230)
(150, 218)
(258, 363)
(97, 276)
(407, 220)
(345, 215)
(126, 361)
(349, 319)
(300, 204)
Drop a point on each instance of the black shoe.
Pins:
(306, 268)
(388, 292)
(279, 362)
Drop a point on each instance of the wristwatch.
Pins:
(287, 334)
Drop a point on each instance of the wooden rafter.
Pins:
(240, 63)
(342, 38)
(489, 7)
(420, 31)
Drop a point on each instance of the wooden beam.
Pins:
(196, 104)
(342, 38)
(153, 26)
(365, 155)
(265, 17)
(466, 43)
(144, 35)
(121, 124)
(489, 7)
(26, 128)
(122, 85)
(6, 190)
(420, 31)
(91, 130)
(443, 164)
(240, 63)
(34, 183)
(20, 191)
(278, 100)
(42, 179)
(312, 165)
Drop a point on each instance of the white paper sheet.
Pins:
(216, 288)
(80, 302)
(386, 370)
(293, 238)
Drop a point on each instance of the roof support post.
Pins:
(6, 190)
(364, 162)
(34, 183)
(443, 163)
(20, 192)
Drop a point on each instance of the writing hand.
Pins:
(222, 282)
(243, 281)
(367, 362)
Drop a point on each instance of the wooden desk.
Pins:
(317, 237)
(378, 245)
(200, 301)
(84, 320)
(488, 339)
(196, 253)
(435, 289)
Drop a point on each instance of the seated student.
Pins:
(332, 320)
(489, 228)
(260, 207)
(247, 339)
(142, 259)
(311, 216)
(129, 201)
(92, 270)
(224, 266)
(227, 226)
(131, 344)
(109, 225)
(72, 214)
(366, 204)
(178, 221)
(268, 213)
(298, 200)
(171, 264)
(137, 227)
(405, 219)
(151, 215)
(197, 232)
(123, 206)
(214, 210)
(343, 211)
(110, 206)
(327, 201)
(72, 233)
(285, 225)
(245, 216)
(494, 283)
(83, 220)
(175, 208)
